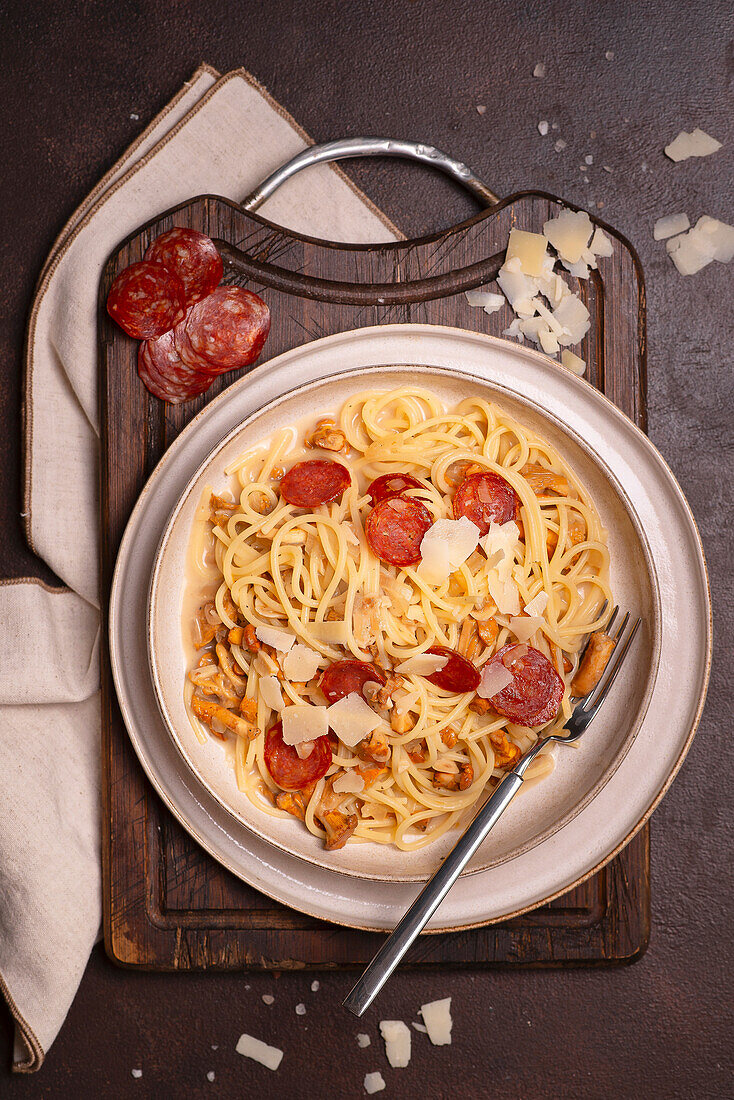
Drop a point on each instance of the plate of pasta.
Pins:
(374, 595)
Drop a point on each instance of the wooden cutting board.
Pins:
(167, 904)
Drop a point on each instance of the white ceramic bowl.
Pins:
(580, 773)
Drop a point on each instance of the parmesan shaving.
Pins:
(349, 783)
(523, 627)
(437, 1018)
(250, 1047)
(548, 340)
(575, 318)
(397, 1042)
(573, 362)
(301, 663)
(423, 664)
(670, 225)
(304, 750)
(445, 547)
(515, 286)
(351, 719)
(330, 633)
(717, 237)
(695, 144)
(537, 605)
(529, 248)
(304, 723)
(495, 678)
(487, 299)
(569, 233)
(404, 700)
(373, 1082)
(282, 640)
(270, 693)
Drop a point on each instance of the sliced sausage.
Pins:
(485, 498)
(395, 530)
(536, 691)
(458, 674)
(192, 256)
(146, 299)
(285, 765)
(344, 677)
(224, 331)
(315, 481)
(391, 485)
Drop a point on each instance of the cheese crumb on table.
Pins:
(210, 1075)
(695, 144)
(397, 1042)
(315, 985)
(268, 998)
(250, 1047)
(573, 362)
(300, 1010)
(373, 1082)
(136, 1073)
(539, 70)
(437, 1018)
(670, 225)
(363, 1040)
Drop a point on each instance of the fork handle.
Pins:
(431, 896)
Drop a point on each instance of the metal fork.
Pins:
(435, 890)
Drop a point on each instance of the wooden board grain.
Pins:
(167, 904)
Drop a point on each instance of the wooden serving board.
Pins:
(167, 904)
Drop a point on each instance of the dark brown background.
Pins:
(72, 75)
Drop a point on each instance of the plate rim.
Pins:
(451, 333)
(324, 383)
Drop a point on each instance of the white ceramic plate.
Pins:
(606, 821)
(539, 810)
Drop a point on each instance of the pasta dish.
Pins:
(393, 603)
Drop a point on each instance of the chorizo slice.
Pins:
(391, 485)
(146, 299)
(285, 765)
(485, 498)
(315, 481)
(458, 674)
(344, 677)
(192, 256)
(395, 530)
(224, 331)
(536, 691)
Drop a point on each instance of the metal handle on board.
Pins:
(372, 147)
(344, 293)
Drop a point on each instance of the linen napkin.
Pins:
(220, 135)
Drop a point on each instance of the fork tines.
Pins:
(621, 645)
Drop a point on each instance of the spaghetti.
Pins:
(344, 581)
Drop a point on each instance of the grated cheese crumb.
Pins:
(437, 1017)
(363, 1040)
(373, 1082)
(250, 1047)
(397, 1042)
(268, 998)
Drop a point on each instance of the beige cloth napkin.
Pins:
(218, 135)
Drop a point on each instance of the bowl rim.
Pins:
(323, 384)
